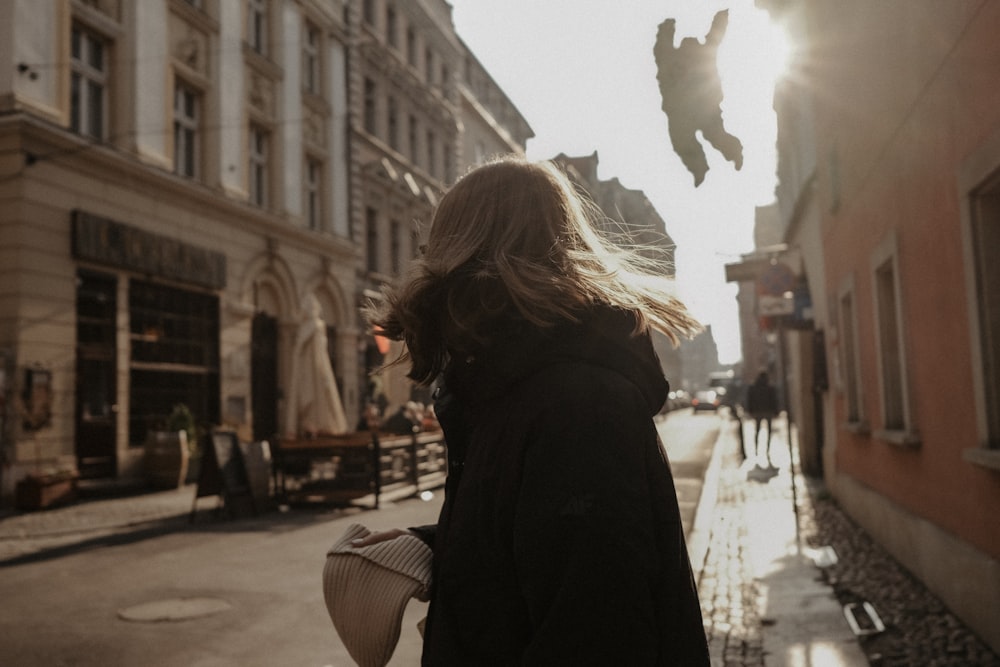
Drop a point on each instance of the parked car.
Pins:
(705, 399)
(676, 400)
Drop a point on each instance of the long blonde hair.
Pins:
(513, 240)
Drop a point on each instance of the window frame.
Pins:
(258, 26)
(391, 26)
(312, 58)
(395, 247)
(188, 127)
(259, 168)
(370, 107)
(413, 138)
(84, 77)
(431, 140)
(849, 358)
(986, 213)
(313, 192)
(890, 338)
(174, 335)
(371, 240)
(392, 123)
(411, 46)
(978, 176)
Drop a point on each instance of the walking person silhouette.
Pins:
(762, 404)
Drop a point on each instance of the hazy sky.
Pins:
(583, 75)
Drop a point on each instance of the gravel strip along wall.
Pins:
(919, 629)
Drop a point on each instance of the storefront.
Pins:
(168, 294)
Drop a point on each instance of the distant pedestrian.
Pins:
(762, 404)
(560, 540)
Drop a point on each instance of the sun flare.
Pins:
(755, 54)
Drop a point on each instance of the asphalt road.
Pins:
(689, 439)
(257, 582)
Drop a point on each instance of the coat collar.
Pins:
(603, 337)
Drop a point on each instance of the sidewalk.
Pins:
(22, 534)
(760, 590)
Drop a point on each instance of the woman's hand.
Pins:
(380, 536)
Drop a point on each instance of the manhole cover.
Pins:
(176, 609)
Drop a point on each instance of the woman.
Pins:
(560, 540)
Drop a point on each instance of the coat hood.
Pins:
(603, 336)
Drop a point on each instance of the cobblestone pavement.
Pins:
(727, 588)
(920, 631)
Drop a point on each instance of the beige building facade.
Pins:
(420, 99)
(179, 179)
(172, 189)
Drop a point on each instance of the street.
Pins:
(688, 438)
(257, 582)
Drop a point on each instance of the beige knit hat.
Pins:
(366, 591)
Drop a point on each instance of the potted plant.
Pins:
(169, 452)
(181, 419)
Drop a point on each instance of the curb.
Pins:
(701, 529)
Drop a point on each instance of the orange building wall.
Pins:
(898, 110)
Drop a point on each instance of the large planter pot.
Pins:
(166, 459)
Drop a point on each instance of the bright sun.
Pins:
(754, 55)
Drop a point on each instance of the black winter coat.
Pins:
(560, 540)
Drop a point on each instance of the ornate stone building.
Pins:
(422, 108)
(178, 179)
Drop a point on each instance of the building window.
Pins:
(431, 153)
(445, 73)
(313, 204)
(88, 84)
(415, 250)
(849, 357)
(985, 236)
(371, 239)
(311, 60)
(368, 12)
(395, 247)
(414, 131)
(393, 117)
(174, 337)
(411, 47)
(429, 66)
(371, 109)
(187, 104)
(391, 28)
(96, 373)
(257, 25)
(194, 3)
(258, 171)
(890, 339)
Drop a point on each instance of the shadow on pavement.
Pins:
(207, 520)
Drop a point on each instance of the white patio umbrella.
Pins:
(313, 402)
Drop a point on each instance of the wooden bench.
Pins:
(344, 469)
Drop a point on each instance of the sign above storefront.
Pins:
(97, 239)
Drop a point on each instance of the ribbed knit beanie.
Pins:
(366, 591)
